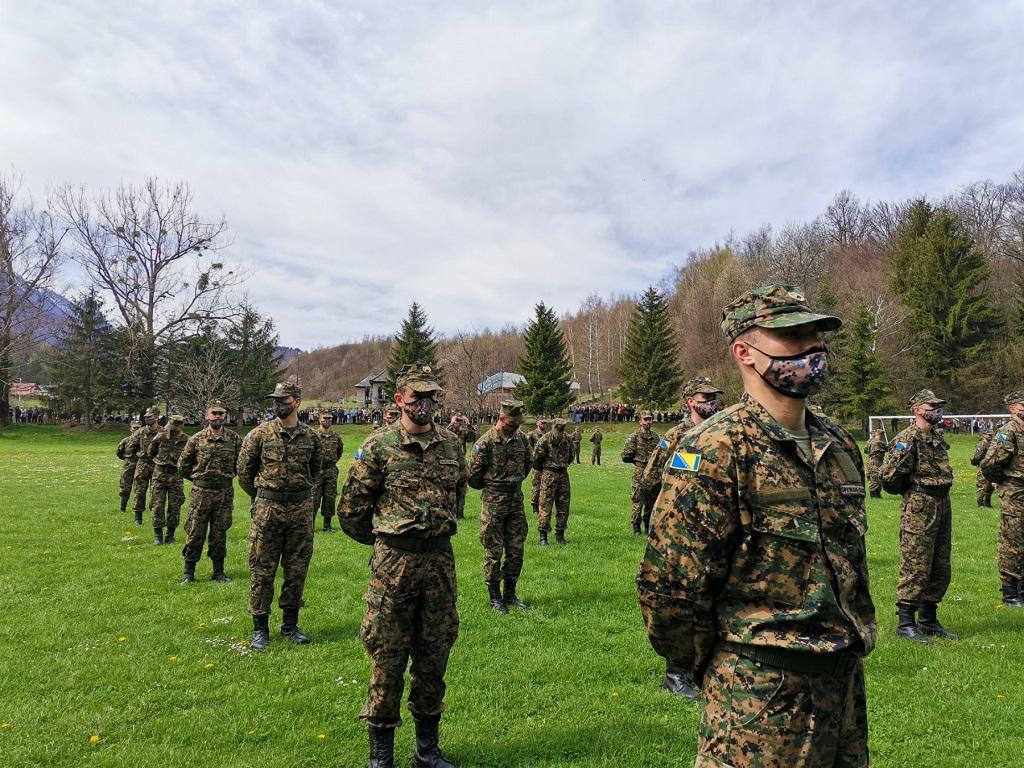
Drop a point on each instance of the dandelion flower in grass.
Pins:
(94, 739)
(208, 665)
(121, 639)
(5, 725)
(321, 736)
(172, 658)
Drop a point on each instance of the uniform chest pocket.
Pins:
(447, 473)
(775, 562)
(273, 453)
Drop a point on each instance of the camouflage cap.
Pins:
(215, 405)
(325, 415)
(925, 397)
(773, 306)
(646, 415)
(283, 389)
(393, 409)
(419, 377)
(1017, 396)
(135, 424)
(175, 421)
(700, 385)
(151, 411)
(560, 423)
(512, 408)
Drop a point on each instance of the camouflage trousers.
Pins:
(576, 453)
(460, 502)
(127, 477)
(503, 528)
(280, 533)
(535, 490)
(325, 491)
(925, 546)
(759, 716)
(209, 513)
(984, 490)
(410, 612)
(874, 473)
(1010, 544)
(643, 502)
(168, 496)
(595, 455)
(554, 491)
(140, 485)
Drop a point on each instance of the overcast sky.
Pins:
(479, 157)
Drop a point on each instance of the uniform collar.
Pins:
(213, 435)
(820, 438)
(279, 428)
(499, 436)
(408, 439)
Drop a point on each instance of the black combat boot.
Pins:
(218, 572)
(290, 627)
(560, 537)
(1011, 594)
(124, 503)
(327, 524)
(260, 632)
(511, 598)
(906, 626)
(494, 592)
(189, 576)
(138, 518)
(679, 683)
(876, 494)
(929, 623)
(169, 538)
(636, 529)
(382, 747)
(428, 753)
(543, 538)
(158, 536)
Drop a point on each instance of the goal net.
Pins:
(962, 423)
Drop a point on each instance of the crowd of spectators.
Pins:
(19, 415)
(615, 412)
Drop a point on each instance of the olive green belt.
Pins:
(286, 496)
(416, 543)
(831, 662)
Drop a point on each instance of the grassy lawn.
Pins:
(98, 640)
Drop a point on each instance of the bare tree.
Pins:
(155, 256)
(846, 221)
(798, 255)
(30, 255)
(885, 221)
(205, 373)
(985, 208)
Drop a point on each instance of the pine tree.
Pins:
(650, 360)
(86, 360)
(252, 350)
(941, 279)
(413, 343)
(862, 387)
(545, 367)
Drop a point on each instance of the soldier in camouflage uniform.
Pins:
(499, 464)
(138, 450)
(208, 462)
(755, 577)
(168, 489)
(595, 450)
(636, 451)
(917, 467)
(552, 458)
(1003, 464)
(127, 466)
(278, 465)
(983, 488)
(391, 414)
(400, 497)
(533, 438)
(702, 402)
(326, 489)
(461, 427)
(577, 443)
(875, 449)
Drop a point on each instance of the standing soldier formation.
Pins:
(138, 450)
(1003, 465)
(400, 497)
(278, 465)
(917, 467)
(127, 466)
(637, 449)
(552, 459)
(168, 489)
(498, 466)
(875, 449)
(983, 486)
(753, 583)
(325, 491)
(208, 462)
(595, 446)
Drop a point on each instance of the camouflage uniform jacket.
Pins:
(577, 438)
(876, 447)
(138, 444)
(122, 449)
(274, 460)
(466, 434)
(750, 544)
(210, 457)
(981, 448)
(1004, 460)
(533, 438)
(397, 486)
(916, 457)
(554, 451)
(651, 477)
(638, 449)
(165, 449)
(597, 437)
(332, 445)
(499, 460)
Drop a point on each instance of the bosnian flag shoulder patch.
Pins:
(359, 454)
(687, 461)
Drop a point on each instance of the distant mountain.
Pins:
(55, 310)
(288, 354)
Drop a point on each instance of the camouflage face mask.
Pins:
(798, 376)
(706, 408)
(420, 411)
(934, 416)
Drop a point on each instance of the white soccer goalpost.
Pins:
(968, 420)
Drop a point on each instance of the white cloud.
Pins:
(479, 158)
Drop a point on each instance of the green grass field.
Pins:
(106, 661)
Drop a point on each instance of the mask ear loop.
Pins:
(806, 353)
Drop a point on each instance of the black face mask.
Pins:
(283, 410)
(798, 376)
(421, 411)
(217, 423)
